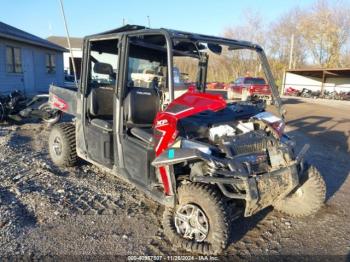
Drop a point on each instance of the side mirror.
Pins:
(103, 68)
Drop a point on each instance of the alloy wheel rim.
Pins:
(57, 146)
(191, 222)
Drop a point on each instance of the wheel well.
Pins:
(186, 172)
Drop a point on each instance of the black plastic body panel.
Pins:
(137, 160)
(100, 145)
(65, 95)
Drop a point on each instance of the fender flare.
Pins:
(174, 156)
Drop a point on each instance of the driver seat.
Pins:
(144, 134)
(140, 108)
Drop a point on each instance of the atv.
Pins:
(16, 106)
(196, 154)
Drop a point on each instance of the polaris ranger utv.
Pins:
(195, 154)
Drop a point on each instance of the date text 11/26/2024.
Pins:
(172, 258)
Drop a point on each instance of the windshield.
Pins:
(143, 71)
(237, 73)
(208, 64)
(254, 81)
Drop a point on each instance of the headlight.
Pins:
(275, 122)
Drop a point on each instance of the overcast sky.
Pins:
(43, 17)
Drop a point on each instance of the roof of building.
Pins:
(13, 33)
(321, 72)
(75, 42)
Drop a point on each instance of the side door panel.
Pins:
(98, 108)
(137, 159)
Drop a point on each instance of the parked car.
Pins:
(245, 88)
(290, 91)
(215, 85)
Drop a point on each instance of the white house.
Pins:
(27, 62)
(76, 45)
(328, 79)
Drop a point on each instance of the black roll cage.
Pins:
(124, 34)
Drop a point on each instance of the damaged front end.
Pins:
(250, 161)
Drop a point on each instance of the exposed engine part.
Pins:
(197, 169)
(256, 141)
(197, 126)
(267, 117)
(215, 133)
(211, 168)
(245, 127)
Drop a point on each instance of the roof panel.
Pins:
(319, 72)
(181, 34)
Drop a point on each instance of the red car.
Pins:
(246, 87)
(215, 85)
(290, 91)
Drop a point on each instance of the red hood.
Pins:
(193, 102)
(165, 124)
(190, 103)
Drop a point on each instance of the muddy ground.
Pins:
(45, 211)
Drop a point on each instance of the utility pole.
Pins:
(123, 21)
(149, 21)
(291, 51)
(68, 41)
(50, 29)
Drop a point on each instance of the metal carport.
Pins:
(317, 79)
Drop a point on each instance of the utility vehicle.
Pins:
(196, 154)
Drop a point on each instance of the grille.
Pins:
(248, 143)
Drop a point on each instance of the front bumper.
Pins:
(259, 191)
(265, 190)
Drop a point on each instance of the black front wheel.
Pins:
(198, 223)
(307, 198)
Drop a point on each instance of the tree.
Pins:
(280, 33)
(246, 62)
(321, 39)
(326, 30)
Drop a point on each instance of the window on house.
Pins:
(13, 59)
(50, 64)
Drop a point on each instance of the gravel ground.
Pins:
(78, 211)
